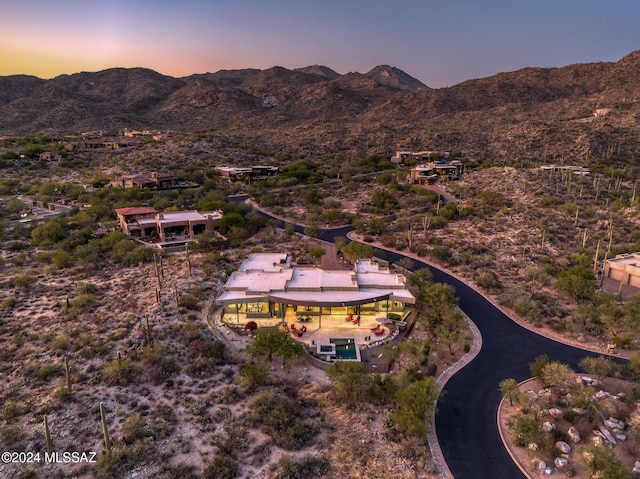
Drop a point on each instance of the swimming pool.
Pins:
(345, 348)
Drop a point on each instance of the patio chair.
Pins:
(350, 317)
(376, 327)
(379, 332)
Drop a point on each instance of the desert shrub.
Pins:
(440, 253)
(8, 303)
(24, 281)
(82, 303)
(223, 467)
(48, 371)
(525, 430)
(279, 417)
(134, 428)
(487, 279)
(306, 467)
(86, 288)
(252, 375)
(537, 366)
(120, 371)
(190, 302)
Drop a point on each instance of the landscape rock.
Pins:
(548, 427)
(563, 447)
(620, 437)
(574, 435)
(607, 434)
(561, 463)
(601, 395)
(538, 465)
(588, 457)
(532, 447)
(615, 423)
(555, 413)
(548, 471)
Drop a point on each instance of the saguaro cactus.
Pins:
(47, 435)
(105, 429)
(67, 370)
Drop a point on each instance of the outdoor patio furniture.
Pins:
(376, 327)
(349, 318)
(380, 332)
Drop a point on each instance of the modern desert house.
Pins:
(268, 289)
(624, 268)
(144, 222)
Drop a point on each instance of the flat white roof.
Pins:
(268, 276)
(628, 258)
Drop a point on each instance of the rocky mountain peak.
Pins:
(395, 78)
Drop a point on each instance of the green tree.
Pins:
(14, 205)
(267, 342)
(358, 251)
(578, 282)
(231, 220)
(439, 301)
(50, 233)
(317, 253)
(350, 381)
(603, 460)
(524, 429)
(510, 390)
(415, 403)
(421, 277)
(601, 367)
(558, 375)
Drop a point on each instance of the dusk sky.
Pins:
(439, 42)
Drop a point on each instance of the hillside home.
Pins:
(402, 156)
(429, 172)
(267, 288)
(624, 268)
(144, 180)
(259, 172)
(147, 223)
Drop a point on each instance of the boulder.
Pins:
(597, 440)
(615, 423)
(555, 413)
(563, 447)
(579, 411)
(601, 395)
(574, 435)
(561, 463)
(607, 434)
(620, 437)
(588, 457)
(547, 471)
(548, 427)
(636, 467)
(538, 465)
(532, 447)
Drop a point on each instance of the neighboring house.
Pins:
(429, 172)
(624, 268)
(147, 223)
(258, 172)
(402, 156)
(49, 156)
(577, 170)
(267, 286)
(144, 180)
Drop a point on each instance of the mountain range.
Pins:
(575, 113)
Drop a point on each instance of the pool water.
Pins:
(345, 348)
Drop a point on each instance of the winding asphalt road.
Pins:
(465, 421)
